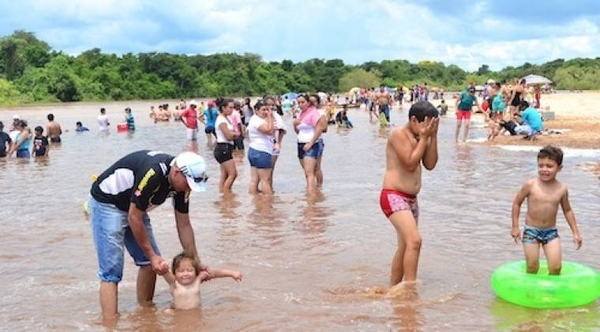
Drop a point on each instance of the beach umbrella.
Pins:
(290, 95)
(536, 79)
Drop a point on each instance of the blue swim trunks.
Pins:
(532, 235)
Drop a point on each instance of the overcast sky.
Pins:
(467, 33)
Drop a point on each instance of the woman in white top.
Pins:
(225, 136)
(280, 130)
(260, 134)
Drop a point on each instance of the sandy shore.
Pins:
(577, 117)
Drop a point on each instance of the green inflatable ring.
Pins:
(576, 285)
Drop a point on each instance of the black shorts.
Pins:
(223, 152)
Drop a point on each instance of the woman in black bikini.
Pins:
(515, 98)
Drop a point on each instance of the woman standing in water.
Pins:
(308, 128)
(223, 149)
(260, 134)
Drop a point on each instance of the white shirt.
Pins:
(258, 140)
(278, 124)
(220, 136)
(103, 123)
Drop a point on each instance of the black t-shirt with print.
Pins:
(40, 144)
(141, 178)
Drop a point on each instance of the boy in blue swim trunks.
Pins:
(544, 195)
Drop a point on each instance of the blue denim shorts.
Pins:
(259, 159)
(312, 153)
(532, 235)
(321, 147)
(111, 232)
(23, 153)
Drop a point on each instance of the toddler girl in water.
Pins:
(185, 278)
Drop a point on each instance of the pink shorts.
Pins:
(462, 114)
(392, 201)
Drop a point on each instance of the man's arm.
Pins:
(186, 233)
(135, 218)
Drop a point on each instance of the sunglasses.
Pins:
(201, 179)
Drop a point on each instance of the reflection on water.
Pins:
(310, 263)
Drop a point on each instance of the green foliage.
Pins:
(30, 71)
(9, 95)
(359, 78)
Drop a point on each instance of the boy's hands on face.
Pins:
(429, 127)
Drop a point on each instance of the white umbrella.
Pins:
(536, 79)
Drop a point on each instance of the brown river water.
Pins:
(309, 264)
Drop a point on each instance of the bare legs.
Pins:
(260, 176)
(228, 176)
(466, 131)
(309, 165)
(553, 252)
(109, 293)
(406, 258)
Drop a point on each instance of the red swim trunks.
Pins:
(392, 201)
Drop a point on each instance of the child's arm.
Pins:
(169, 278)
(570, 216)
(516, 209)
(403, 147)
(430, 158)
(221, 273)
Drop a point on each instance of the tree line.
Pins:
(31, 71)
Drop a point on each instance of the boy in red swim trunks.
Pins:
(407, 148)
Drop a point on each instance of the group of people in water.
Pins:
(21, 142)
(118, 210)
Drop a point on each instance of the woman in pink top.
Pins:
(309, 129)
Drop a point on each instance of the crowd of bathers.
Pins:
(21, 142)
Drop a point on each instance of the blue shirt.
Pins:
(498, 102)
(532, 118)
(210, 116)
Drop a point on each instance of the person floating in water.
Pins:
(79, 127)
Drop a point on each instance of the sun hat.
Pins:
(193, 102)
(193, 167)
(491, 81)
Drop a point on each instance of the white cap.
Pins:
(193, 102)
(194, 168)
(491, 81)
(16, 116)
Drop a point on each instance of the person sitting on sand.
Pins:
(532, 121)
(185, 278)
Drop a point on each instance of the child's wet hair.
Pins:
(184, 255)
(552, 153)
(421, 110)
